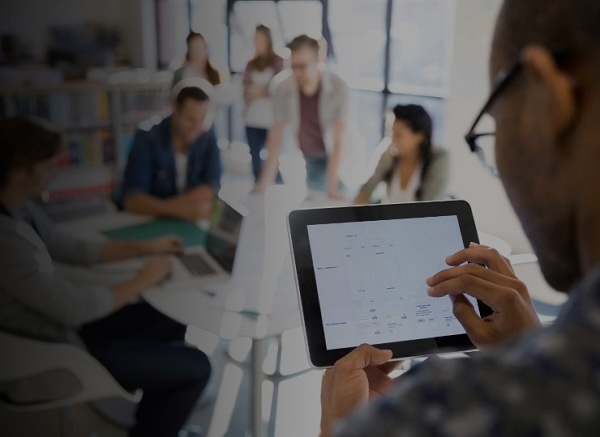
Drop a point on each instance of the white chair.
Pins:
(25, 359)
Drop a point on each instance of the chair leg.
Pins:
(67, 427)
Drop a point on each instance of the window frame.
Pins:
(388, 94)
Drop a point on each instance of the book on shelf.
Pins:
(88, 148)
(66, 109)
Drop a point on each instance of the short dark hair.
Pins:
(562, 24)
(303, 41)
(190, 92)
(24, 142)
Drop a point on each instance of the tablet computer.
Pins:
(361, 271)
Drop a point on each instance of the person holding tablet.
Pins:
(529, 380)
(139, 346)
(411, 168)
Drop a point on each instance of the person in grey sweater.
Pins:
(141, 347)
(412, 169)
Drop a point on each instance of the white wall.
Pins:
(493, 213)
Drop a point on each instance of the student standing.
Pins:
(259, 112)
(310, 110)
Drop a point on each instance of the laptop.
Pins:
(214, 262)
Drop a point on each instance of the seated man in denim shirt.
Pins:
(174, 169)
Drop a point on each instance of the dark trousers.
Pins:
(144, 349)
(256, 140)
(316, 172)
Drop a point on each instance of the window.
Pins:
(173, 28)
(420, 54)
(388, 51)
(208, 18)
(286, 19)
(358, 39)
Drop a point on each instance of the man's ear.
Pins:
(558, 85)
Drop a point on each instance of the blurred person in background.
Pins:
(310, 108)
(197, 63)
(411, 168)
(174, 169)
(259, 111)
(139, 346)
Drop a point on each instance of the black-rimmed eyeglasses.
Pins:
(481, 137)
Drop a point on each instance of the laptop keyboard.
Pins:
(196, 264)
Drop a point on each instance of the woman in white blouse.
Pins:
(411, 168)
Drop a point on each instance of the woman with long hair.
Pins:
(412, 169)
(259, 114)
(197, 62)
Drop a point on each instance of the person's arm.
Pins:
(153, 273)
(247, 82)
(354, 380)
(496, 285)
(350, 383)
(333, 161)
(30, 277)
(146, 204)
(384, 165)
(183, 206)
(271, 166)
(117, 250)
(281, 116)
(339, 139)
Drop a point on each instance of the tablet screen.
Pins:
(370, 278)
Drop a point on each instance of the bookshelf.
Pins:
(99, 121)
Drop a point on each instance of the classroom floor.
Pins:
(224, 410)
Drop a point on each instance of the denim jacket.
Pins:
(151, 165)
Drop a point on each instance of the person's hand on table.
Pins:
(155, 271)
(169, 244)
(189, 207)
(497, 286)
(259, 188)
(359, 377)
(334, 193)
(361, 199)
(202, 193)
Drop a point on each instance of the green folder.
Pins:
(191, 234)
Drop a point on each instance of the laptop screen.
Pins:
(223, 234)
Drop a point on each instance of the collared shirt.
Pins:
(547, 383)
(332, 105)
(35, 299)
(151, 166)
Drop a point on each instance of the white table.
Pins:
(259, 300)
(256, 276)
